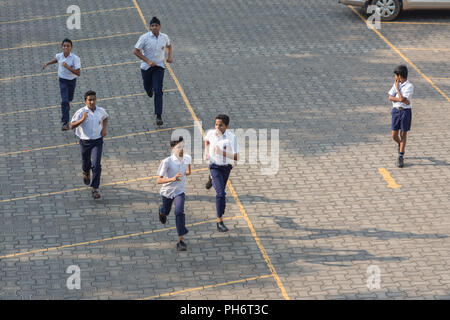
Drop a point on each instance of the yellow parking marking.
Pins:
(65, 15)
(40, 195)
(206, 287)
(59, 43)
(81, 102)
(403, 56)
(194, 116)
(55, 72)
(18, 254)
(387, 177)
(106, 139)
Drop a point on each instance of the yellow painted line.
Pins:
(39, 195)
(82, 69)
(403, 56)
(59, 43)
(19, 254)
(81, 102)
(207, 287)
(387, 177)
(65, 15)
(106, 139)
(194, 116)
(426, 49)
(412, 22)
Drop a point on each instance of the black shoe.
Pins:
(181, 246)
(162, 218)
(208, 185)
(400, 162)
(65, 126)
(159, 121)
(150, 93)
(86, 178)
(221, 227)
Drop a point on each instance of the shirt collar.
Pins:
(174, 158)
(96, 108)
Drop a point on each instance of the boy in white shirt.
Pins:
(221, 149)
(68, 70)
(172, 174)
(400, 95)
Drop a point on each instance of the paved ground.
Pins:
(312, 70)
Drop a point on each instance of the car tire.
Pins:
(389, 9)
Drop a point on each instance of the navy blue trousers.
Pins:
(153, 80)
(67, 90)
(91, 157)
(220, 175)
(179, 212)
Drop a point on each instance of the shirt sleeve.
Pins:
(187, 159)
(105, 115)
(58, 56)
(393, 91)
(77, 116)
(408, 91)
(168, 41)
(140, 43)
(162, 170)
(208, 135)
(77, 63)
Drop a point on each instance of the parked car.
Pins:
(390, 9)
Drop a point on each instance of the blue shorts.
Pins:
(401, 119)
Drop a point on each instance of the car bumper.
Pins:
(358, 3)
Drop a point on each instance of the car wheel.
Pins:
(389, 9)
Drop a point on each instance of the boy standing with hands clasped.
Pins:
(68, 70)
(400, 95)
(172, 174)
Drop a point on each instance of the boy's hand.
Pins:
(44, 66)
(85, 115)
(177, 176)
(206, 157)
(103, 132)
(65, 65)
(407, 102)
(169, 60)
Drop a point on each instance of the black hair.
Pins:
(89, 93)
(402, 71)
(155, 20)
(67, 40)
(173, 143)
(225, 119)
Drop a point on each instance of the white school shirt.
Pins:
(407, 90)
(92, 126)
(153, 48)
(72, 60)
(168, 168)
(228, 139)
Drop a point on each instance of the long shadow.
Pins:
(433, 162)
(289, 223)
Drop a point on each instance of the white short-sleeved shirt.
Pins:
(227, 140)
(407, 90)
(72, 60)
(153, 48)
(91, 128)
(168, 168)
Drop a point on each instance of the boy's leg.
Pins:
(180, 216)
(158, 78)
(219, 185)
(147, 79)
(403, 141)
(405, 126)
(72, 85)
(86, 149)
(64, 90)
(164, 209)
(96, 161)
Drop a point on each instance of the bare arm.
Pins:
(104, 127)
(188, 171)
(77, 71)
(139, 54)
(49, 63)
(169, 53)
(162, 180)
(75, 124)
